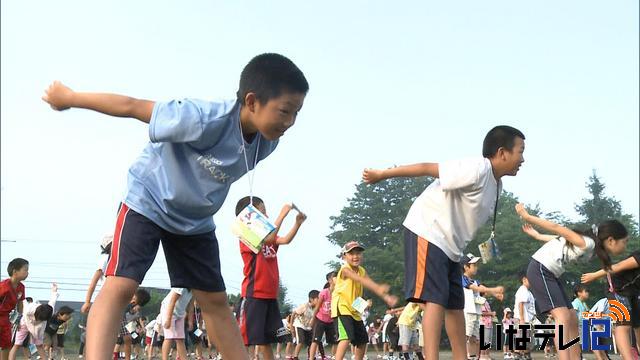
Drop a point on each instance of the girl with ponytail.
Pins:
(563, 247)
(623, 278)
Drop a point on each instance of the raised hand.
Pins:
(520, 210)
(372, 176)
(529, 230)
(58, 96)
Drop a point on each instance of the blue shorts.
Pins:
(429, 274)
(193, 260)
(546, 288)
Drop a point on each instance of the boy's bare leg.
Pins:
(166, 348)
(266, 351)
(182, 349)
(341, 349)
(106, 315)
(454, 324)
(359, 351)
(221, 326)
(431, 327)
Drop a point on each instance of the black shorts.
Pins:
(193, 260)
(322, 328)
(259, 321)
(546, 288)
(429, 274)
(304, 336)
(348, 328)
(60, 340)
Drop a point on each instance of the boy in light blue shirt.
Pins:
(197, 149)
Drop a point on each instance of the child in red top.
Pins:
(259, 315)
(11, 294)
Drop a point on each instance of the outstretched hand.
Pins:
(58, 96)
(371, 176)
(529, 230)
(521, 211)
(588, 277)
(300, 218)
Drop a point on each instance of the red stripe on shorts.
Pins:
(115, 245)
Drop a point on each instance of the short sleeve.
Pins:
(458, 174)
(521, 296)
(636, 255)
(182, 121)
(589, 245)
(103, 261)
(178, 291)
(22, 292)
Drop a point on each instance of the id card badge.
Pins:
(197, 332)
(359, 304)
(489, 249)
(252, 227)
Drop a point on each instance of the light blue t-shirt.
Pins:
(184, 174)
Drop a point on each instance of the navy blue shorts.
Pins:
(429, 274)
(259, 321)
(193, 260)
(546, 288)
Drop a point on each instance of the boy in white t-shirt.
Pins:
(524, 309)
(440, 223)
(473, 302)
(175, 308)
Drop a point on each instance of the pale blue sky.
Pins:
(391, 83)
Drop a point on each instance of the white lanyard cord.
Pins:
(246, 162)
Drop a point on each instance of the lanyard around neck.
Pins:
(250, 176)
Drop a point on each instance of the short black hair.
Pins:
(313, 294)
(269, 76)
(242, 203)
(331, 274)
(142, 297)
(522, 275)
(578, 289)
(65, 310)
(502, 136)
(43, 312)
(29, 299)
(15, 265)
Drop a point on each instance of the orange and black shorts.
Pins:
(430, 276)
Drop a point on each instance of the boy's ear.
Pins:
(250, 100)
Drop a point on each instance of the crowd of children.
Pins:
(197, 149)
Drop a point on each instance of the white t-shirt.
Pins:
(450, 211)
(523, 295)
(103, 261)
(555, 254)
(180, 310)
(304, 316)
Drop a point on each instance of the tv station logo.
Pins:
(595, 326)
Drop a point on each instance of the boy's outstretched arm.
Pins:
(372, 176)
(61, 97)
(300, 218)
(382, 290)
(166, 322)
(92, 287)
(271, 238)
